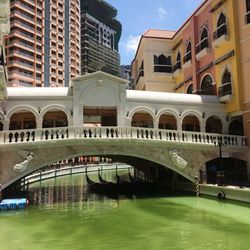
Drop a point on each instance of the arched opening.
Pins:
(190, 88)
(191, 123)
(1, 126)
(236, 128)
(207, 87)
(22, 120)
(162, 64)
(178, 61)
(167, 121)
(55, 118)
(226, 84)
(203, 40)
(221, 26)
(142, 119)
(213, 125)
(188, 54)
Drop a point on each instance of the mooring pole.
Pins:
(197, 186)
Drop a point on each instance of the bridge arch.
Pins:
(169, 111)
(141, 109)
(55, 107)
(165, 157)
(195, 123)
(19, 108)
(168, 119)
(219, 117)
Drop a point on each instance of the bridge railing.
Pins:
(48, 134)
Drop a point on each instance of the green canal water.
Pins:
(64, 216)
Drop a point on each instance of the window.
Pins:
(221, 27)
(203, 40)
(247, 11)
(162, 64)
(188, 54)
(178, 62)
(226, 84)
(207, 85)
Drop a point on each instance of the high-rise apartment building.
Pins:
(100, 34)
(43, 47)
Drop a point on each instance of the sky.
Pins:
(137, 16)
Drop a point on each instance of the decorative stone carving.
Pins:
(23, 165)
(177, 160)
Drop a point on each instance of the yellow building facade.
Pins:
(203, 57)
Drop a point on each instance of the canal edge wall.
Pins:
(231, 193)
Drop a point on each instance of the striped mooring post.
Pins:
(197, 186)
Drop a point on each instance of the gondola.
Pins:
(89, 181)
(101, 180)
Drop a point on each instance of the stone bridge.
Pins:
(24, 151)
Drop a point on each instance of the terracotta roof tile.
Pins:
(168, 34)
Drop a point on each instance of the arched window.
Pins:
(247, 11)
(203, 40)
(188, 54)
(221, 26)
(207, 87)
(226, 84)
(162, 64)
(178, 62)
(190, 89)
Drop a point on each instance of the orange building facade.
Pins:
(43, 47)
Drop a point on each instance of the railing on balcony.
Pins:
(177, 66)
(187, 57)
(225, 89)
(202, 45)
(247, 17)
(220, 31)
(209, 90)
(163, 68)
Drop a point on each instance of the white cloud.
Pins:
(132, 43)
(161, 13)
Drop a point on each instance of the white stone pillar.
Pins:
(128, 122)
(6, 124)
(39, 123)
(179, 124)
(156, 123)
(203, 126)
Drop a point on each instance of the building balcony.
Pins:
(209, 90)
(202, 49)
(225, 92)
(220, 36)
(159, 68)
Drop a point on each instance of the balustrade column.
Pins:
(6, 124)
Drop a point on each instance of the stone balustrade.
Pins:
(48, 134)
